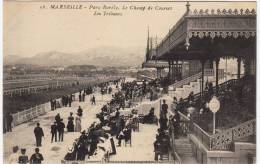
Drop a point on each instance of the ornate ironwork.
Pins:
(222, 12)
(224, 140)
(244, 130)
(222, 34)
(209, 23)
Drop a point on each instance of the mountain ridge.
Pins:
(108, 56)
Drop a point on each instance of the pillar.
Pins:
(173, 71)
(177, 70)
(217, 64)
(169, 73)
(202, 76)
(238, 67)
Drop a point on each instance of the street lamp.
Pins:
(214, 106)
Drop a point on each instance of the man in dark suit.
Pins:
(54, 132)
(38, 132)
(9, 119)
(164, 108)
(60, 127)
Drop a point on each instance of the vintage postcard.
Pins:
(129, 82)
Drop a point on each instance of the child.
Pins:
(23, 159)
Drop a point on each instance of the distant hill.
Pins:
(106, 56)
(11, 59)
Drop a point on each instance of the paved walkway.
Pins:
(189, 160)
(23, 135)
(142, 145)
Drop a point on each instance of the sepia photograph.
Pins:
(120, 82)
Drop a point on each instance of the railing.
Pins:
(29, 114)
(185, 81)
(221, 88)
(224, 139)
(184, 124)
(174, 154)
(34, 85)
(203, 136)
(211, 72)
(208, 72)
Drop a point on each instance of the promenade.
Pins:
(23, 135)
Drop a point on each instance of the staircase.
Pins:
(183, 147)
(182, 89)
(184, 150)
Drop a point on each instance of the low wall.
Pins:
(242, 153)
(29, 114)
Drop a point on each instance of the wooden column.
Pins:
(217, 64)
(238, 67)
(173, 71)
(169, 73)
(202, 76)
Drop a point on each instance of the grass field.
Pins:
(18, 103)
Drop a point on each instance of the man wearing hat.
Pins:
(38, 132)
(54, 131)
(60, 128)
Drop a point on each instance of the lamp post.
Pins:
(214, 106)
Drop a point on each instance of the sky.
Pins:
(29, 30)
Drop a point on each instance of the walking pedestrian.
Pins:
(9, 120)
(79, 97)
(57, 118)
(70, 125)
(70, 100)
(60, 128)
(164, 108)
(93, 100)
(83, 97)
(80, 111)
(78, 124)
(38, 132)
(176, 123)
(54, 132)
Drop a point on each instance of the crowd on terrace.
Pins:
(237, 98)
(99, 137)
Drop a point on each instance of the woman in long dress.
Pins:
(78, 124)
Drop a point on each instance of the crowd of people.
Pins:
(167, 123)
(140, 89)
(22, 157)
(56, 129)
(234, 97)
(110, 123)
